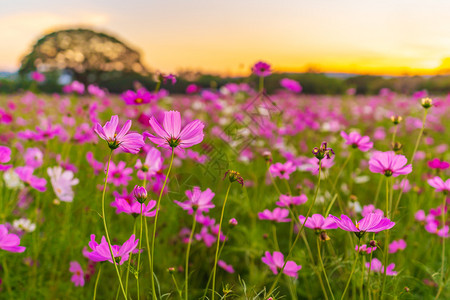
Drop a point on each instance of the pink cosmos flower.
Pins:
(354, 139)
(436, 163)
(172, 137)
(286, 200)
(261, 69)
(397, 245)
(197, 201)
(312, 165)
(96, 91)
(439, 184)
(134, 207)
(370, 223)
(96, 165)
(192, 89)
(369, 209)
(78, 274)
(291, 85)
(151, 165)
(420, 215)
(74, 87)
(141, 96)
(225, 266)
(278, 215)
(365, 249)
(282, 170)
(26, 175)
(206, 236)
(378, 267)
(38, 77)
(118, 174)
(233, 222)
(5, 156)
(9, 241)
(167, 78)
(389, 164)
(62, 182)
(100, 252)
(318, 222)
(84, 134)
(276, 262)
(127, 142)
(402, 185)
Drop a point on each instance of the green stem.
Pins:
(106, 227)
(6, 281)
(323, 268)
(139, 254)
(413, 154)
(298, 234)
(152, 254)
(444, 218)
(370, 269)
(394, 134)
(275, 240)
(217, 244)
(158, 86)
(176, 286)
(96, 281)
(186, 268)
(261, 84)
(386, 243)
(129, 261)
(353, 270)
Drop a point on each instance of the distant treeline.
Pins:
(312, 83)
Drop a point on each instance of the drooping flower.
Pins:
(62, 182)
(389, 164)
(171, 136)
(225, 266)
(318, 222)
(151, 165)
(378, 267)
(278, 215)
(397, 245)
(9, 241)
(439, 184)
(354, 139)
(276, 262)
(127, 142)
(78, 274)
(197, 201)
(100, 252)
(282, 170)
(287, 200)
(371, 223)
(261, 69)
(291, 85)
(26, 175)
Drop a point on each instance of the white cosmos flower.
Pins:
(62, 182)
(24, 224)
(12, 180)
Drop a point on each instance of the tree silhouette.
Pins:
(88, 55)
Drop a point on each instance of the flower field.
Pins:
(224, 194)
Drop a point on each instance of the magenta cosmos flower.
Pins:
(436, 163)
(9, 241)
(225, 266)
(26, 175)
(127, 142)
(171, 136)
(397, 245)
(276, 263)
(152, 164)
(354, 139)
(378, 267)
(197, 201)
(261, 69)
(389, 164)
(134, 207)
(318, 222)
(5, 156)
(370, 223)
(278, 215)
(141, 96)
(119, 174)
(100, 252)
(365, 249)
(282, 170)
(291, 85)
(78, 274)
(439, 184)
(286, 200)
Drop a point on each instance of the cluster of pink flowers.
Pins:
(275, 262)
(432, 221)
(376, 266)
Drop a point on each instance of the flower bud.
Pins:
(323, 151)
(234, 176)
(267, 156)
(171, 270)
(373, 243)
(396, 119)
(324, 236)
(233, 222)
(397, 146)
(140, 194)
(426, 102)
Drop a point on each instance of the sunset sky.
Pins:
(227, 37)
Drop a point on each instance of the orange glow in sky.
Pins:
(227, 37)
